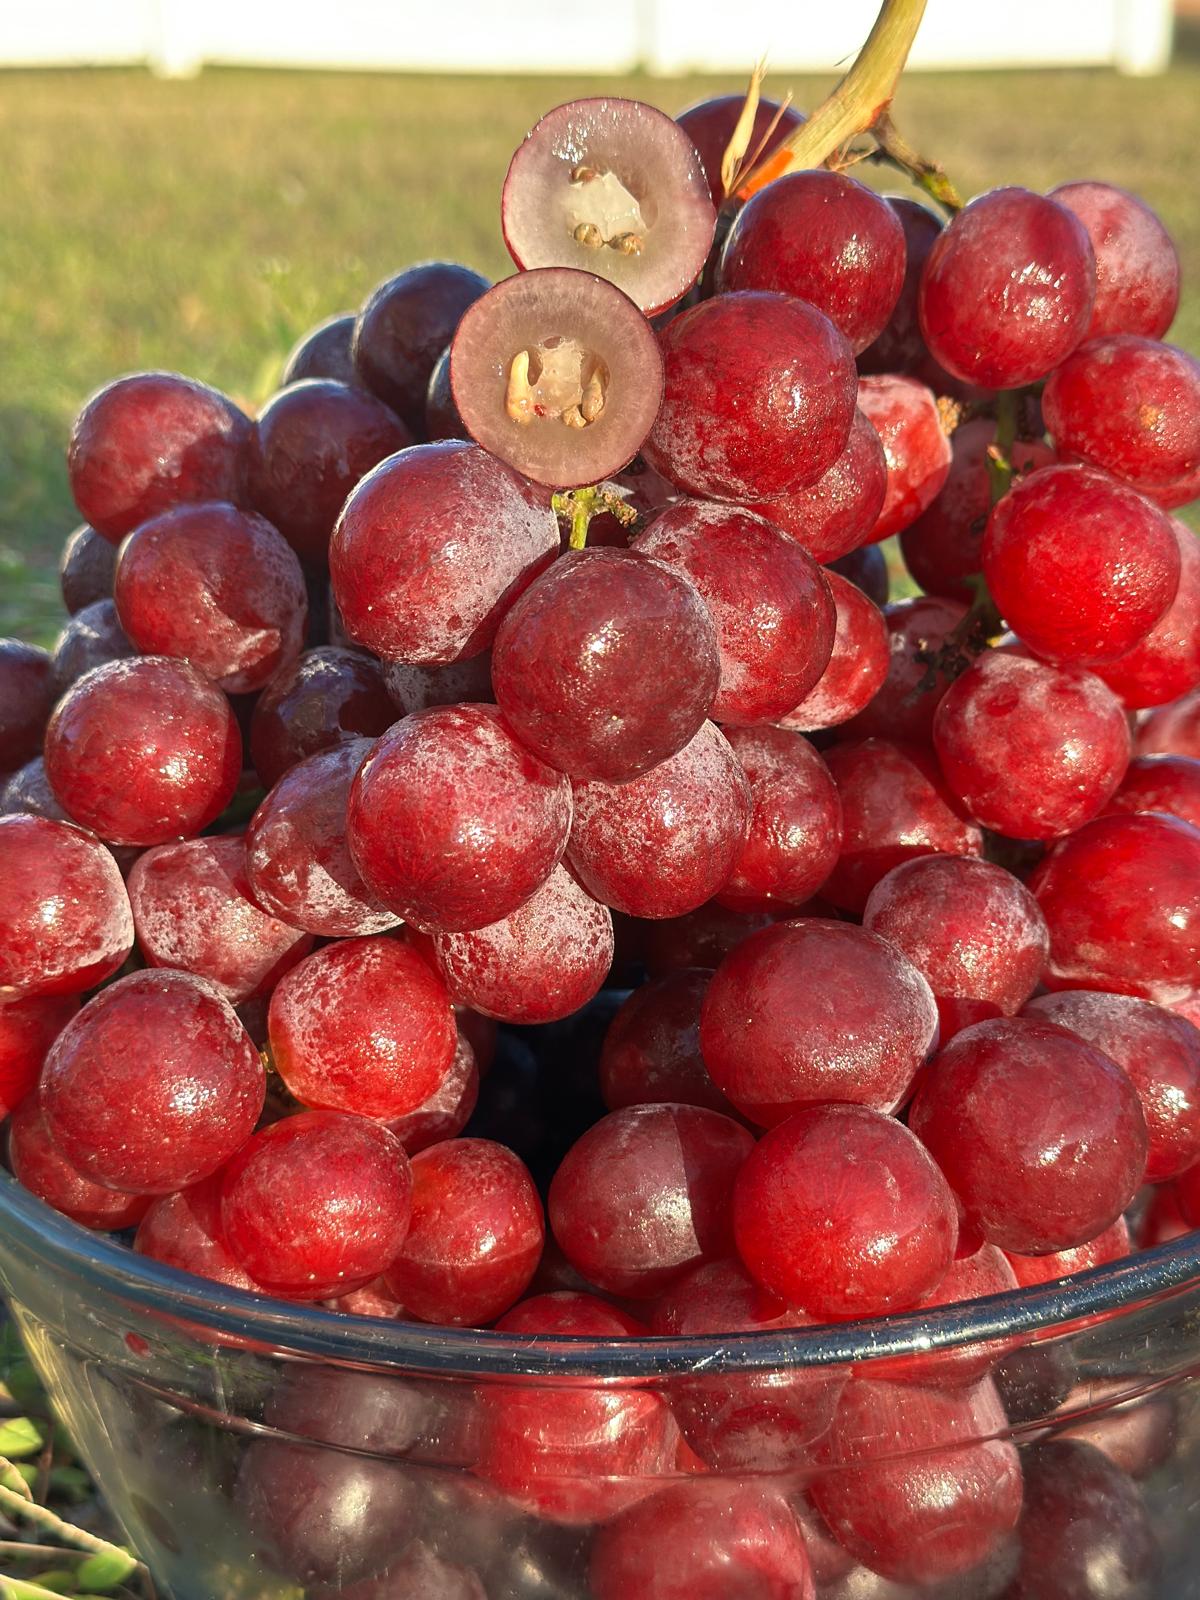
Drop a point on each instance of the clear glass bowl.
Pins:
(258, 1449)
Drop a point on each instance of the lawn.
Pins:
(203, 225)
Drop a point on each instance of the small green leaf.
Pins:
(20, 1437)
(105, 1571)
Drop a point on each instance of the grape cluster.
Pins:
(524, 674)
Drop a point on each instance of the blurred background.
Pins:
(192, 187)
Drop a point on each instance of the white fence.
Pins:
(664, 36)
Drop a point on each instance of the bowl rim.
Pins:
(101, 1265)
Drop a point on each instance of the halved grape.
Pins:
(557, 373)
(614, 187)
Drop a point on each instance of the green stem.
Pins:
(18, 1589)
(857, 103)
(581, 505)
(927, 175)
(43, 1518)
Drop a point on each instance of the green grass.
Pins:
(204, 225)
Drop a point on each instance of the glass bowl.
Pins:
(253, 1448)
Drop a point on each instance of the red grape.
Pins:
(700, 938)
(184, 1230)
(316, 1201)
(65, 922)
(984, 1272)
(443, 420)
(86, 569)
(448, 1109)
(1007, 290)
(841, 1212)
(28, 1027)
(150, 441)
(904, 707)
(1085, 1532)
(795, 821)
(1069, 727)
(39, 1165)
(452, 823)
(1172, 729)
(574, 1455)
(613, 187)
(93, 636)
(194, 910)
(418, 688)
(558, 374)
(900, 347)
(942, 548)
(812, 1011)
(857, 667)
(1137, 265)
(312, 442)
(143, 751)
(770, 604)
(1041, 1136)
(867, 569)
(709, 124)
(1122, 901)
(667, 841)
(298, 862)
(763, 1421)
(1081, 566)
(1129, 405)
(403, 328)
(644, 1195)
(216, 587)
(607, 665)
(941, 1494)
(329, 697)
(476, 1235)
(28, 791)
(826, 239)
(324, 352)
(916, 447)
(1110, 1245)
(972, 929)
(324, 1516)
(542, 962)
(1165, 663)
(1160, 1053)
(27, 694)
(838, 512)
(1170, 784)
(651, 1051)
(895, 807)
(759, 398)
(154, 1085)
(704, 1541)
(363, 1025)
(432, 548)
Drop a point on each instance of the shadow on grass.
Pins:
(36, 515)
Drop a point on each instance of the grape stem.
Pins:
(927, 175)
(579, 506)
(999, 452)
(856, 104)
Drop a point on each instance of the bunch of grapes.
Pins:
(522, 684)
